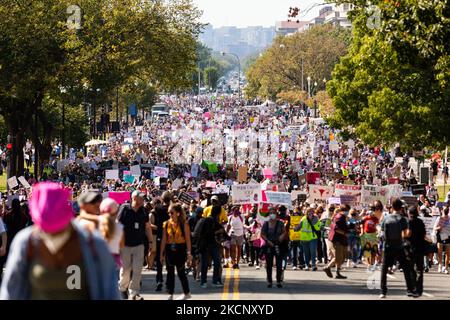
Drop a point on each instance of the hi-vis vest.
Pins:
(306, 233)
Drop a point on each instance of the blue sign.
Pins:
(132, 110)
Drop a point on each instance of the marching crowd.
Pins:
(75, 223)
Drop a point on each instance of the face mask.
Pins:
(273, 216)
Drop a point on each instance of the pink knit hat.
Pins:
(50, 207)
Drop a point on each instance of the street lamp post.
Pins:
(63, 130)
(309, 86)
(239, 75)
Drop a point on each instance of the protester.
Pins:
(338, 236)
(309, 233)
(4, 240)
(161, 216)
(369, 236)
(395, 231)
(176, 250)
(235, 229)
(418, 242)
(42, 257)
(273, 233)
(442, 230)
(111, 229)
(89, 203)
(137, 229)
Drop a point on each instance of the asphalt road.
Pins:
(250, 284)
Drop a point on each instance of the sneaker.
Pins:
(382, 296)
(354, 265)
(348, 263)
(170, 297)
(217, 284)
(294, 268)
(235, 266)
(445, 271)
(159, 287)
(184, 296)
(250, 264)
(136, 297)
(306, 269)
(269, 285)
(124, 295)
(328, 272)
(314, 269)
(226, 266)
(279, 285)
(427, 270)
(412, 294)
(258, 267)
(203, 285)
(340, 276)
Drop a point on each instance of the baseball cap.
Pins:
(89, 197)
(215, 198)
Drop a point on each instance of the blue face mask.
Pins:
(273, 216)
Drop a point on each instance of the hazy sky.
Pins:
(244, 13)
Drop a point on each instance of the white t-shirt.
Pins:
(237, 226)
(2, 226)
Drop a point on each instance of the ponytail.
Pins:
(107, 227)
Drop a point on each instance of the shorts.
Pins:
(237, 240)
(226, 244)
(340, 253)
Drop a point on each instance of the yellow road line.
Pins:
(236, 285)
(226, 285)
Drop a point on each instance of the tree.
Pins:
(211, 77)
(119, 40)
(279, 68)
(392, 87)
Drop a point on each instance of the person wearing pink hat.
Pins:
(56, 258)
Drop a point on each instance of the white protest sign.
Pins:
(12, 182)
(135, 171)
(281, 198)
(429, 225)
(246, 193)
(112, 174)
(24, 182)
(177, 184)
(317, 192)
(371, 193)
(161, 172)
(222, 189)
(348, 190)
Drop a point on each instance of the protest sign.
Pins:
(222, 189)
(112, 174)
(267, 173)
(12, 182)
(246, 193)
(185, 198)
(135, 171)
(128, 178)
(281, 198)
(242, 174)
(348, 190)
(211, 184)
(334, 200)
(312, 177)
(120, 197)
(295, 222)
(194, 195)
(410, 200)
(417, 189)
(429, 225)
(348, 199)
(371, 193)
(24, 182)
(194, 170)
(317, 192)
(161, 172)
(177, 184)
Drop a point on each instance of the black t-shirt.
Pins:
(161, 216)
(418, 233)
(133, 225)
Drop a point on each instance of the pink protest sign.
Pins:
(268, 173)
(211, 184)
(120, 197)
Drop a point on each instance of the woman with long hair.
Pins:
(111, 229)
(176, 249)
(442, 231)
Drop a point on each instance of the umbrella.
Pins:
(95, 142)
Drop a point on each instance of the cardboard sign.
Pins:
(246, 193)
(295, 222)
(112, 174)
(211, 184)
(242, 174)
(12, 182)
(302, 197)
(312, 177)
(128, 178)
(410, 200)
(348, 199)
(322, 193)
(161, 172)
(371, 193)
(429, 225)
(24, 182)
(177, 184)
(194, 170)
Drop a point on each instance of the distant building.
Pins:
(240, 41)
(336, 15)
